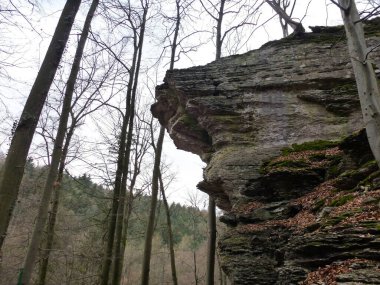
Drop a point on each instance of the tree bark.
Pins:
(54, 210)
(170, 231)
(108, 256)
(211, 223)
(128, 211)
(365, 76)
(22, 138)
(175, 37)
(296, 26)
(219, 41)
(117, 272)
(195, 266)
(211, 242)
(120, 170)
(57, 151)
(127, 215)
(152, 211)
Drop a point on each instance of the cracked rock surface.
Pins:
(299, 201)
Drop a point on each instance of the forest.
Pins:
(88, 193)
(80, 232)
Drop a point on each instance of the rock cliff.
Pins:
(300, 194)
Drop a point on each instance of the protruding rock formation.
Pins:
(269, 125)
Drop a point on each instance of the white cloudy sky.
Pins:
(31, 48)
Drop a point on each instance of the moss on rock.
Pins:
(312, 145)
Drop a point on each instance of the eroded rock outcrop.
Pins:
(301, 203)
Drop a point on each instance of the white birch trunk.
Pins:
(365, 76)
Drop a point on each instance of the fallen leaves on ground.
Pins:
(327, 275)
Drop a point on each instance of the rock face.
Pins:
(302, 204)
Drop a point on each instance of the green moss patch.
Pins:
(318, 205)
(189, 121)
(336, 220)
(345, 88)
(313, 145)
(342, 200)
(289, 163)
(370, 225)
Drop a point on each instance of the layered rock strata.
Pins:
(301, 204)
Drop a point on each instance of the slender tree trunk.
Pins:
(296, 26)
(125, 235)
(54, 209)
(365, 76)
(121, 224)
(57, 152)
(108, 256)
(49, 236)
(211, 242)
(175, 37)
(170, 231)
(152, 212)
(211, 223)
(117, 272)
(284, 27)
(219, 40)
(127, 215)
(160, 146)
(195, 266)
(22, 138)
(121, 165)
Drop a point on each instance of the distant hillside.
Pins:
(81, 231)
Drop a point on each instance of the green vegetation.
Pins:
(336, 220)
(327, 36)
(193, 125)
(289, 163)
(318, 205)
(81, 231)
(333, 171)
(370, 224)
(342, 200)
(345, 88)
(313, 145)
(189, 121)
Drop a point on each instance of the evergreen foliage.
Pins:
(81, 229)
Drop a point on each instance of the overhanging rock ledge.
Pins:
(238, 113)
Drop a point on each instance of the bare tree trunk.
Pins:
(296, 26)
(211, 241)
(175, 37)
(211, 223)
(365, 76)
(49, 237)
(195, 266)
(152, 211)
(57, 152)
(121, 208)
(125, 234)
(22, 139)
(54, 209)
(120, 170)
(108, 256)
(128, 211)
(170, 231)
(219, 40)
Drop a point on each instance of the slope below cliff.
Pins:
(269, 124)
